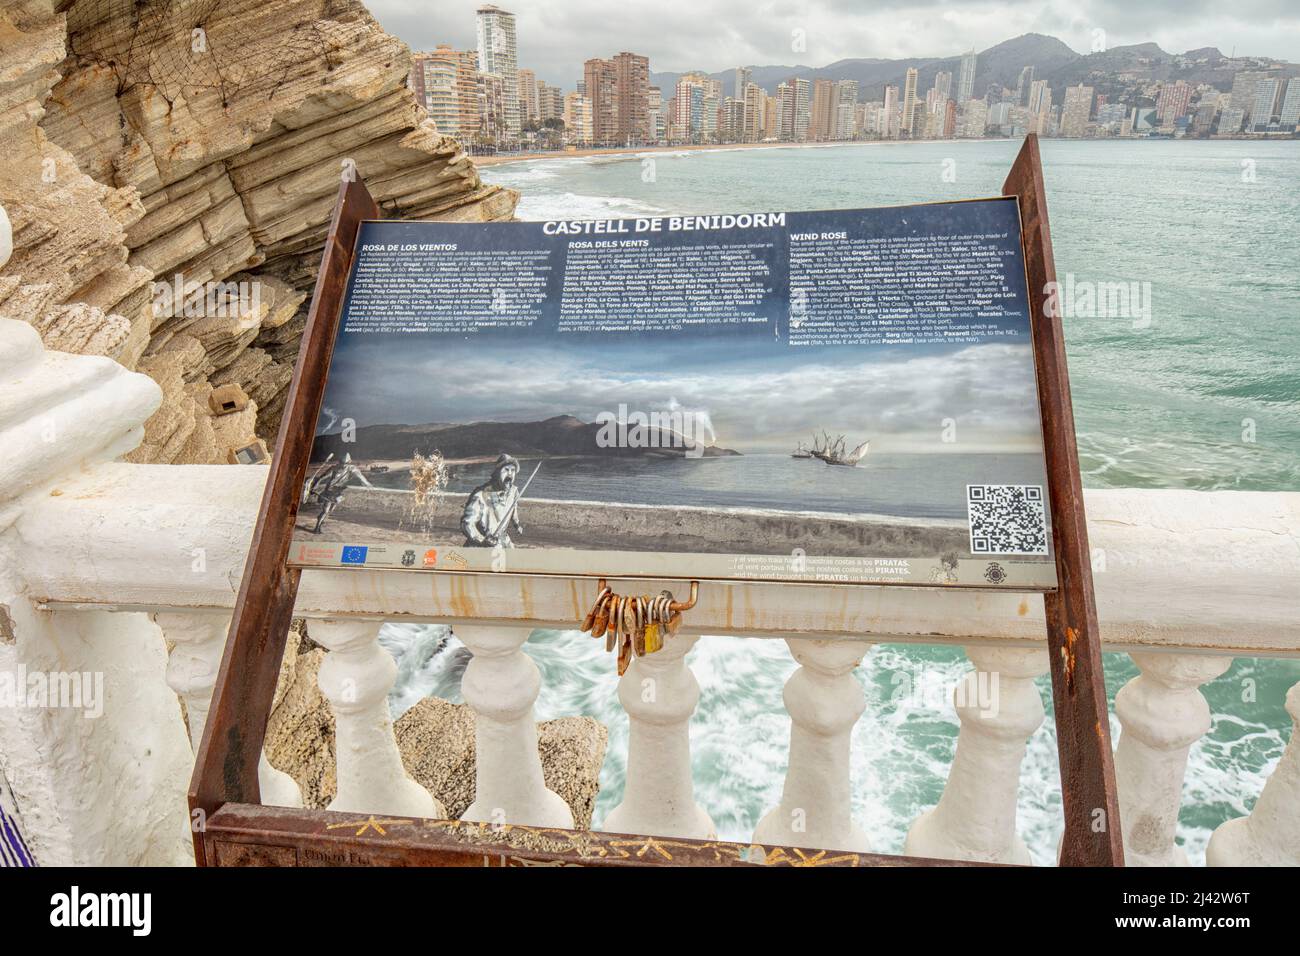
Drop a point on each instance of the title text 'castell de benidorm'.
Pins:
(761, 220)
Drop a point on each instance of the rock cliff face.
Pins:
(156, 147)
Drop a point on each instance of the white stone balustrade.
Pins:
(192, 667)
(501, 685)
(355, 678)
(660, 693)
(824, 701)
(999, 708)
(1270, 834)
(1162, 713)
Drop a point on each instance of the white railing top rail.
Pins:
(1177, 570)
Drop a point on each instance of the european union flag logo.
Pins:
(354, 554)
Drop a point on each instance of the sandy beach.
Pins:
(380, 514)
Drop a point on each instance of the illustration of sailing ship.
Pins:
(838, 457)
(833, 452)
(800, 451)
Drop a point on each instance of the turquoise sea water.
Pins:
(1206, 396)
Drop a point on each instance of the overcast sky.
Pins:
(900, 403)
(555, 36)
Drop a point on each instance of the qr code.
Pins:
(1006, 519)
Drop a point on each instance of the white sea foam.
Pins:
(569, 205)
(429, 662)
(902, 747)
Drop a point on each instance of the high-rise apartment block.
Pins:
(632, 88)
(550, 102)
(802, 100)
(966, 84)
(657, 114)
(942, 86)
(755, 113)
(1243, 90)
(743, 77)
(974, 118)
(1290, 113)
(1267, 103)
(1076, 110)
(619, 90)
(577, 119)
(529, 107)
(909, 103)
(446, 83)
(821, 119)
(599, 86)
(1024, 85)
(1172, 104)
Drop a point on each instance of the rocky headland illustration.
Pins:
(559, 435)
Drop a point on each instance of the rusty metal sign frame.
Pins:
(231, 828)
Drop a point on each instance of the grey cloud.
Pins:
(903, 402)
(555, 38)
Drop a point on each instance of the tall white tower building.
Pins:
(498, 55)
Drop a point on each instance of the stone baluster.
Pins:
(500, 685)
(200, 641)
(999, 708)
(355, 678)
(660, 693)
(1270, 834)
(824, 701)
(1162, 714)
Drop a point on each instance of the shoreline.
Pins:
(704, 511)
(617, 152)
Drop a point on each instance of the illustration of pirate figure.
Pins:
(947, 574)
(328, 487)
(493, 507)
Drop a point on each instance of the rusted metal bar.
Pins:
(226, 766)
(1092, 828)
(674, 606)
(244, 835)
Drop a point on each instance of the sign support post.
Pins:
(225, 768)
(1092, 827)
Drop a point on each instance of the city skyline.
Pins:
(484, 97)
(670, 33)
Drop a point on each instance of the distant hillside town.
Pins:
(1033, 83)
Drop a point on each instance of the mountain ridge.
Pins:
(1052, 59)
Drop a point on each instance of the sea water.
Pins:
(904, 485)
(1200, 391)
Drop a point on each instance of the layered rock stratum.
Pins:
(151, 143)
